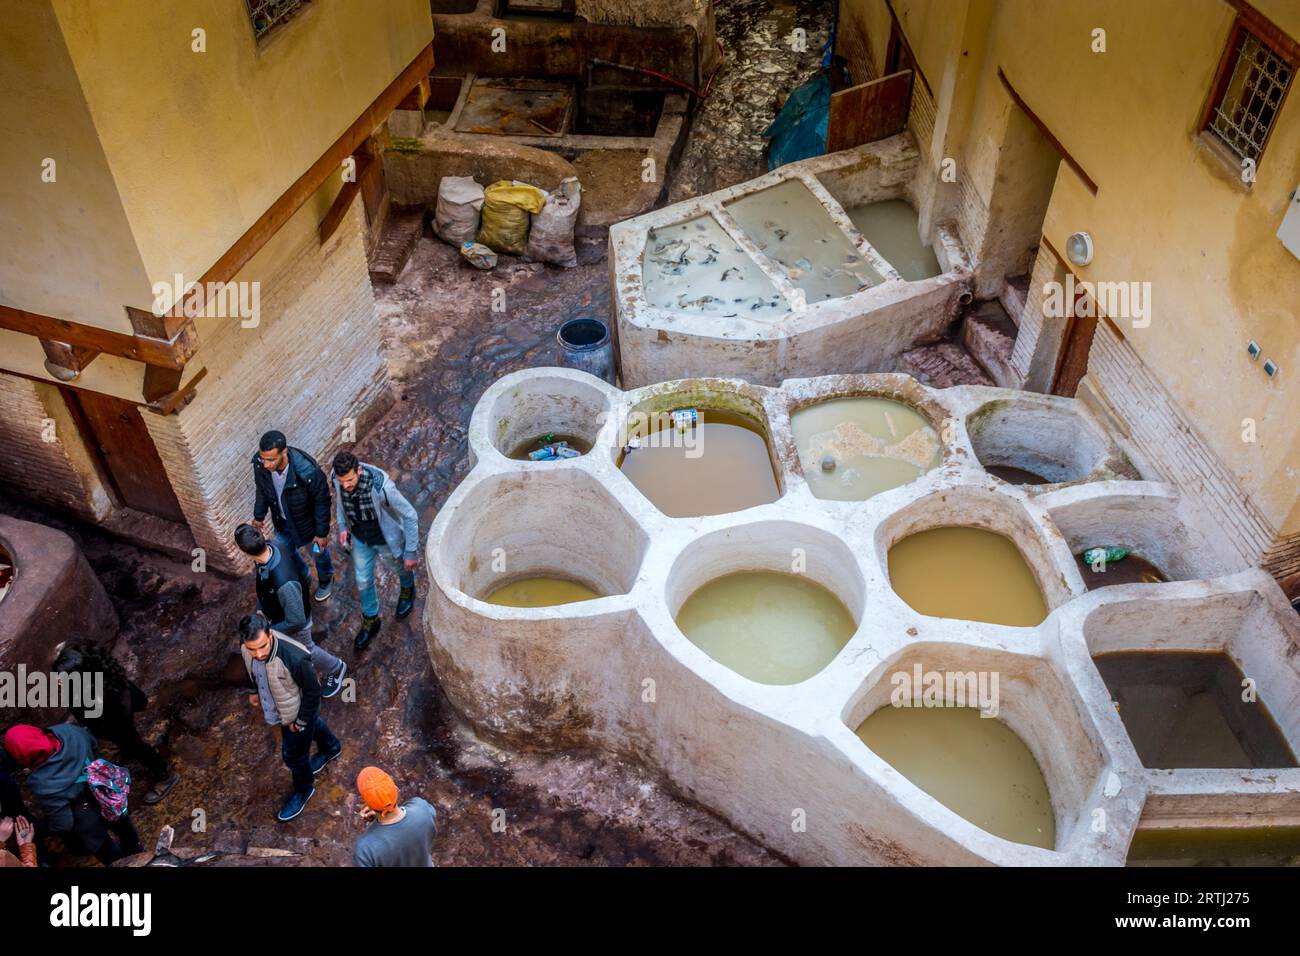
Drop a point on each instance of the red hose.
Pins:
(668, 79)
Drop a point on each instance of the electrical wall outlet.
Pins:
(1253, 349)
(1270, 368)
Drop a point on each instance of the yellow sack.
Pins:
(506, 207)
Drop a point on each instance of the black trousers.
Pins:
(120, 729)
(97, 835)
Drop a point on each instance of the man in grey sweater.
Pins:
(375, 519)
(400, 835)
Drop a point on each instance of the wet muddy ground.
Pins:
(725, 144)
(445, 344)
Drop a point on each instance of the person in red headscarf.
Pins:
(57, 758)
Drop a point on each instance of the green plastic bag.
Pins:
(1105, 555)
(506, 208)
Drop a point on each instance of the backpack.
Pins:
(110, 784)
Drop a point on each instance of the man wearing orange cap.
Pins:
(399, 835)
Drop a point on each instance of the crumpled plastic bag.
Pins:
(478, 255)
(506, 207)
(551, 236)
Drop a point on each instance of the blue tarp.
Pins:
(799, 130)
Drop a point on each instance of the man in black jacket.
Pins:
(291, 486)
(282, 680)
(282, 585)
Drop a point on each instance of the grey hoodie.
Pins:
(397, 519)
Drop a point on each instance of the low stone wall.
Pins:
(54, 596)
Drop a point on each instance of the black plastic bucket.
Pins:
(584, 345)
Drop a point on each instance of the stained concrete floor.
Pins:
(445, 346)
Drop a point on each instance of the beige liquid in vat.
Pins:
(876, 445)
(772, 628)
(966, 573)
(540, 592)
(975, 766)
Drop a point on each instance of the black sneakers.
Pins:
(319, 760)
(294, 805)
(334, 683)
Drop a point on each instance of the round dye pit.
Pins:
(547, 446)
(966, 573)
(873, 444)
(975, 766)
(717, 466)
(540, 592)
(772, 628)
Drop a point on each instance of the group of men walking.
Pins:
(288, 673)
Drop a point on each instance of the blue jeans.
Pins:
(295, 749)
(363, 566)
(324, 566)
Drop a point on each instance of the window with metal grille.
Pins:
(266, 15)
(1253, 78)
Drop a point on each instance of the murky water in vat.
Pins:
(772, 628)
(876, 445)
(966, 573)
(975, 766)
(891, 227)
(796, 232)
(694, 266)
(715, 467)
(540, 592)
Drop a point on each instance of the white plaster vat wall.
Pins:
(1149, 518)
(575, 675)
(1052, 437)
(1246, 617)
(863, 332)
(541, 404)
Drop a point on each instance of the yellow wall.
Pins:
(67, 246)
(1166, 211)
(201, 144)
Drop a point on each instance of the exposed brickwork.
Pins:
(1031, 319)
(1163, 434)
(57, 473)
(313, 362)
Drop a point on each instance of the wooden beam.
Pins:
(418, 97)
(1268, 31)
(153, 326)
(270, 222)
(175, 401)
(168, 353)
(1047, 133)
(75, 358)
(366, 170)
(159, 382)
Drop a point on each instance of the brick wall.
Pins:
(313, 362)
(1167, 442)
(58, 473)
(1031, 320)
